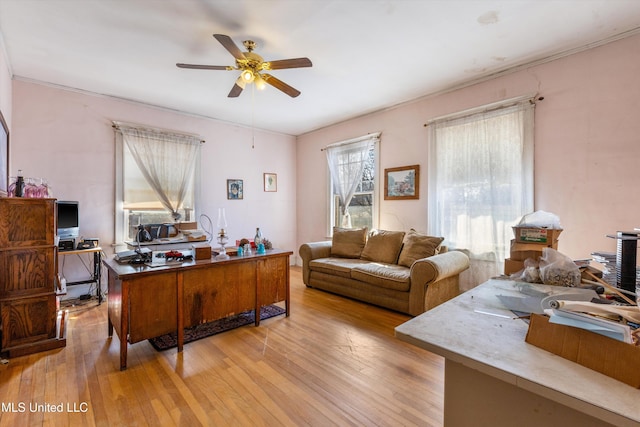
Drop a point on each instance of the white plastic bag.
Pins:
(530, 273)
(540, 219)
(558, 269)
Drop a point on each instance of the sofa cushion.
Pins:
(389, 276)
(348, 242)
(335, 266)
(416, 246)
(383, 246)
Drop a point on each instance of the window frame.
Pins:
(332, 198)
(482, 260)
(121, 214)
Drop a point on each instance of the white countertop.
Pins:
(460, 331)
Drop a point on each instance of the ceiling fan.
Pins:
(252, 67)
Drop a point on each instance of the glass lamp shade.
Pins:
(259, 82)
(247, 76)
(222, 219)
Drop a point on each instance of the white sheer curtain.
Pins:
(346, 162)
(481, 182)
(166, 161)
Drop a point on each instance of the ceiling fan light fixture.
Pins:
(247, 76)
(259, 82)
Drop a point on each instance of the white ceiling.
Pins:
(367, 54)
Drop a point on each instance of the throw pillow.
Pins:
(383, 246)
(348, 242)
(416, 246)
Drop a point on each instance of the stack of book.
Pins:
(609, 269)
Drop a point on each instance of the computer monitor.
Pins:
(68, 219)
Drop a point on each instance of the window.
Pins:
(353, 180)
(481, 181)
(157, 178)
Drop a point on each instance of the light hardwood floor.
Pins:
(334, 361)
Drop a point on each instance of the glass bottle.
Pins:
(258, 239)
(19, 190)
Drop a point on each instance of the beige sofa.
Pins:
(406, 272)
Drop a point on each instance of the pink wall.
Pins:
(585, 151)
(5, 86)
(66, 137)
(586, 146)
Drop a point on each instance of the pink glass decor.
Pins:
(35, 188)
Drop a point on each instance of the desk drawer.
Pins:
(27, 271)
(28, 320)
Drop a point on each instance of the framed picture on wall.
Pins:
(234, 189)
(270, 182)
(4, 157)
(402, 183)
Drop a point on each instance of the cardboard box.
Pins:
(522, 251)
(512, 266)
(537, 235)
(522, 255)
(608, 356)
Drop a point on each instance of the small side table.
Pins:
(96, 274)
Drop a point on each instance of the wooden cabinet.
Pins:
(27, 276)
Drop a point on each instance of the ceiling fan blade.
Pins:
(230, 46)
(279, 84)
(204, 67)
(289, 63)
(235, 91)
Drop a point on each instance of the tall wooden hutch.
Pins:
(28, 276)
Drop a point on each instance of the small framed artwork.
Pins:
(402, 183)
(234, 189)
(4, 157)
(270, 182)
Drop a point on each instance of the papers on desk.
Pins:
(126, 256)
(608, 328)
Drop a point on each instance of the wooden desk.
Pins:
(96, 274)
(146, 302)
(494, 378)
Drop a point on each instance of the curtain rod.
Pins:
(117, 125)
(353, 140)
(494, 106)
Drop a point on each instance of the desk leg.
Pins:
(180, 308)
(287, 297)
(256, 311)
(124, 325)
(97, 274)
